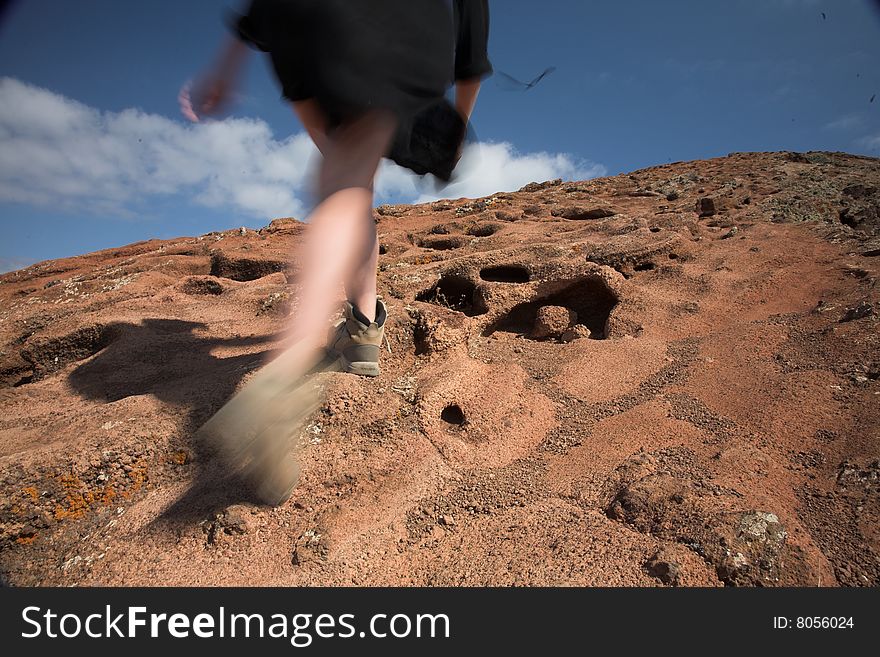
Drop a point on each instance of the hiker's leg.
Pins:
(341, 236)
(274, 403)
(360, 286)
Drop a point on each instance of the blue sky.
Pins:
(94, 152)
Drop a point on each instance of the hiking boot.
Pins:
(255, 434)
(356, 342)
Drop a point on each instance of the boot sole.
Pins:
(362, 368)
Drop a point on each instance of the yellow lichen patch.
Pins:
(138, 477)
(74, 505)
(105, 497)
(26, 539)
(179, 457)
(425, 259)
(31, 492)
(77, 498)
(69, 481)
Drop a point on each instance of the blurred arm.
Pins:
(313, 120)
(466, 96)
(471, 19)
(212, 91)
(231, 58)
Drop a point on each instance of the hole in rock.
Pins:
(483, 230)
(589, 297)
(202, 286)
(654, 229)
(644, 266)
(443, 243)
(48, 355)
(848, 219)
(383, 249)
(506, 274)
(673, 256)
(244, 269)
(455, 292)
(453, 414)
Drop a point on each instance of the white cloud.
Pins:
(59, 153)
(845, 122)
(870, 142)
(487, 168)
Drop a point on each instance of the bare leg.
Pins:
(341, 242)
(253, 429)
(360, 287)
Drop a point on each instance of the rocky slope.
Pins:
(663, 378)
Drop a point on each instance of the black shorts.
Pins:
(355, 55)
(352, 55)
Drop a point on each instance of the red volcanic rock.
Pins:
(552, 321)
(696, 439)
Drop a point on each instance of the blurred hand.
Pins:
(185, 101)
(213, 91)
(208, 97)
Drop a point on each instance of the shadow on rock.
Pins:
(168, 359)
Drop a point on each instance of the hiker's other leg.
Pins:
(360, 286)
(341, 236)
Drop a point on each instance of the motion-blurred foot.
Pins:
(255, 433)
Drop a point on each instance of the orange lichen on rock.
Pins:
(77, 498)
(138, 477)
(105, 497)
(691, 390)
(179, 457)
(75, 505)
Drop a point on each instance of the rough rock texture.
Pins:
(715, 423)
(552, 322)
